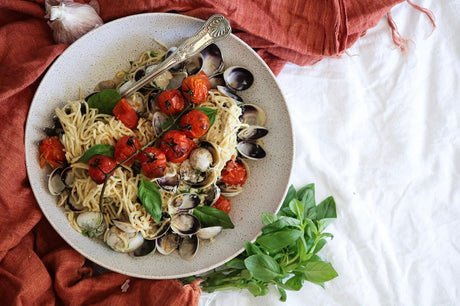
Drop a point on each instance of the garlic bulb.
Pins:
(69, 20)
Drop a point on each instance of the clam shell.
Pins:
(188, 247)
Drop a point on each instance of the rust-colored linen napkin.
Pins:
(36, 265)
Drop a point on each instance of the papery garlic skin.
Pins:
(69, 20)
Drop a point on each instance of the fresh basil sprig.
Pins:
(99, 149)
(285, 254)
(210, 216)
(150, 197)
(104, 100)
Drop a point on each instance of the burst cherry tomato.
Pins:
(52, 152)
(171, 101)
(125, 147)
(206, 78)
(124, 112)
(223, 204)
(99, 167)
(153, 162)
(195, 88)
(176, 146)
(233, 173)
(194, 124)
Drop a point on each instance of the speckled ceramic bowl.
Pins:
(98, 56)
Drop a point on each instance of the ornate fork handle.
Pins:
(214, 29)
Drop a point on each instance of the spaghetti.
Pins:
(118, 198)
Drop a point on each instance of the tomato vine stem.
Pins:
(107, 175)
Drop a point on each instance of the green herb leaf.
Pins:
(297, 208)
(263, 267)
(295, 283)
(277, 240)
(283, 294)
(291, 194)
(257, 288)
(319, 271)
(172, 123)
(281, 223)
(210, 112)
(210, 216)
(99, 149)
(236, 263)
(268, 218)
(150, 197)
(252, 249)
(104, 100)
(326, 209)
(306, 195)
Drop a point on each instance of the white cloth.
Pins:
(379, 130)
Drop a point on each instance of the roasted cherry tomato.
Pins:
(233, 173)
(99, 167)
(153, 162)
(124, 112)
(171, 101)
(195, 123)
(125, 147)
(176, 146)
(52, 151)
(195, 89)
(223, 204)
(206, 78)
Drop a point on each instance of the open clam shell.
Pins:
(212, 194)
(229, 93)
(238, 78)
(251, 150)
(121, 241)
(212, 60)
(184, 202)
(252, 132)
(92, 222)
(167, 244)
(185, 224)
(188, 247)
(252, 114)
(55, 184)
(168, 183)
(148, 247)
(210, 232)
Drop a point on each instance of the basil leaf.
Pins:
(291, 194)
(295, 282)
(268, 218)
(280, 239)
(297, 208)
(104, 100)
(281, 223)
(236, 263)
(263, 267)
(326, 209)
(150, 197)
(210, 216)
(168, 125)
(306, 195)
(321, 243)
(210, 112)
(251, 248)
(99, 149)
(257, 289)
(283, 294)
(319, 271)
